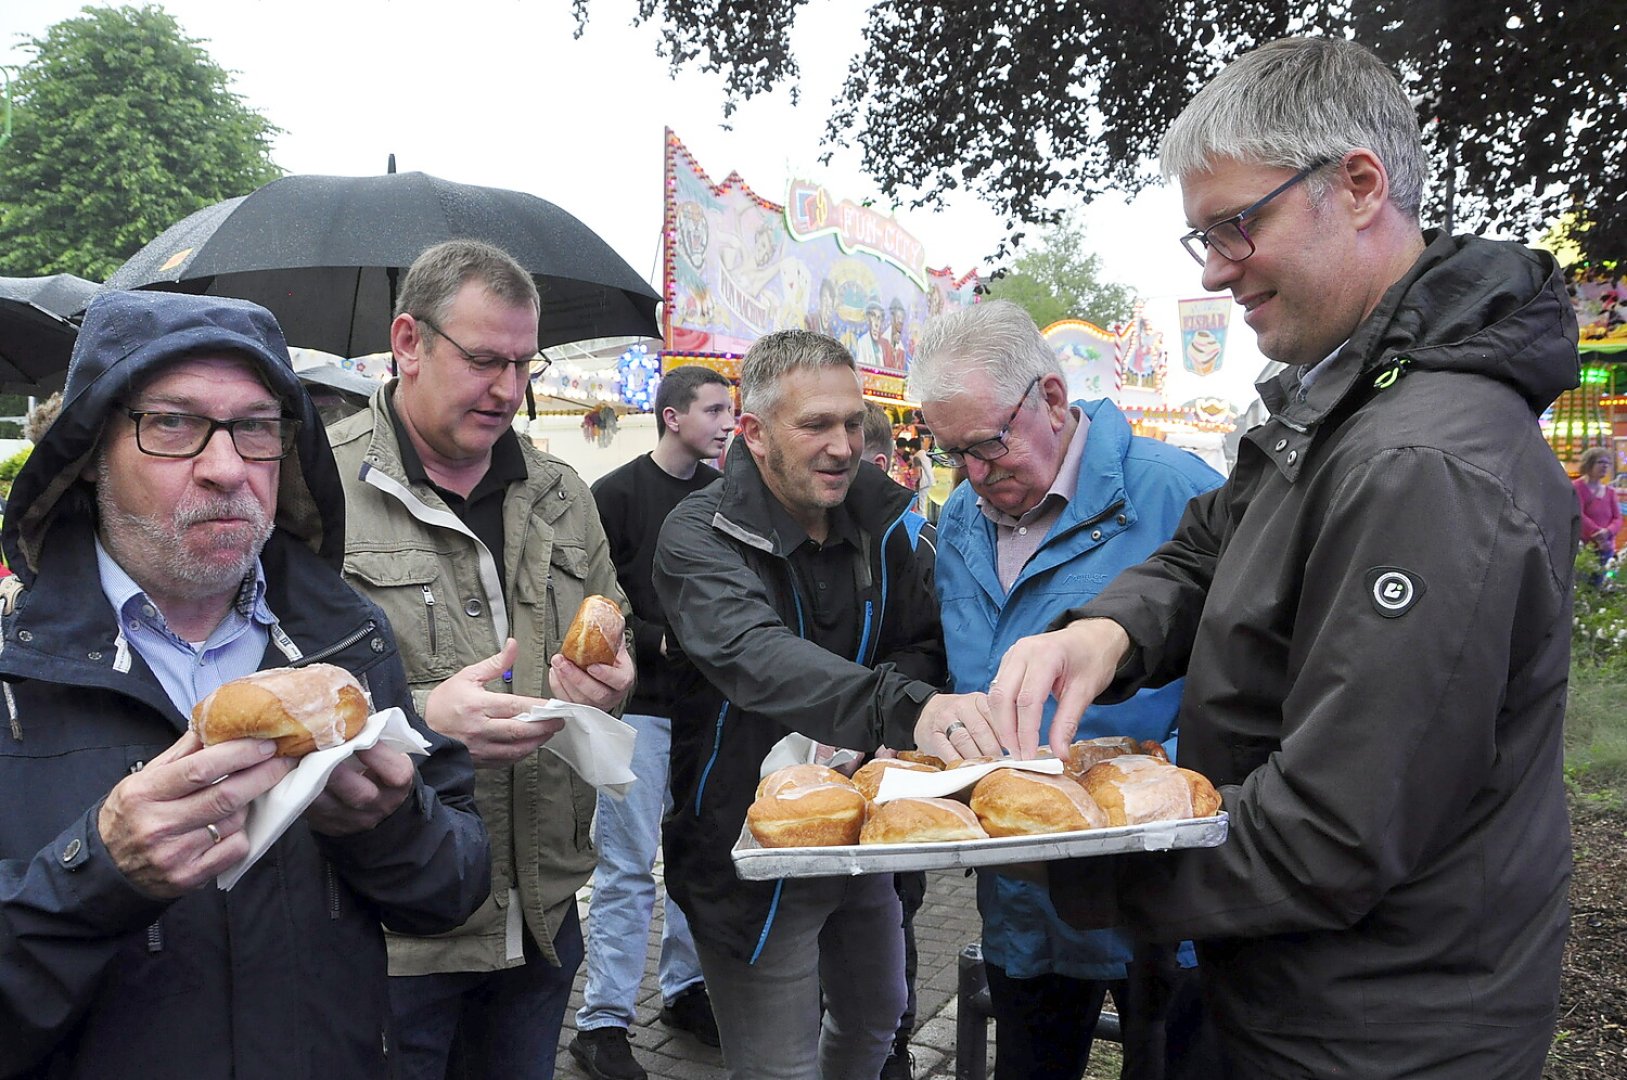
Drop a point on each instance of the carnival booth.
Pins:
(1129, 366)
(737, 266)
(1595, 413)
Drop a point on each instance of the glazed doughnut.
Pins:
(595, 633)
(868, 778)
(1086, 753)
(800, 806)
(303, 709)
(1136, 789)
(1015, 802)
(921, 821)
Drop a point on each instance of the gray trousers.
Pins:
(842, 935)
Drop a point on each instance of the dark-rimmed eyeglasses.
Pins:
(1227, 236)
(990, 449)
(489, 364)
(184, 435)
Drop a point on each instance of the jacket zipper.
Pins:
(429, 604)
(1103, 516)
(155, 937)
(333, 889)
(717, 748)
(339, 646)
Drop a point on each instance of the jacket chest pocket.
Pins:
(550, 590)
(414, 594)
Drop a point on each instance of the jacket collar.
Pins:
(744, 508)
(1467, 305)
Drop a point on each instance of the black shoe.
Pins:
(899, 1066)
(691, 1011)
(604, 1054)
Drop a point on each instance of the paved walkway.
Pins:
(945, 923)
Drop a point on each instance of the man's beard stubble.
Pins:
(154, 551)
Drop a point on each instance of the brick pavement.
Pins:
(945, 923)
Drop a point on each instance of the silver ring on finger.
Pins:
(214, 832)
(949, 732)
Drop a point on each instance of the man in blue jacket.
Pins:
(180, 525)
(1061, 498)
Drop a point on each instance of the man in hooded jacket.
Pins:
(1372, 615)
(179, 525)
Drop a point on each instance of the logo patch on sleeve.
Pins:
(1393, 590)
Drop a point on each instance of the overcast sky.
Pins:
(499, 93)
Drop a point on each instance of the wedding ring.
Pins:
(213, 831)
(949, 731)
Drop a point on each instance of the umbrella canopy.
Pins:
(322, 253)
(36, 338)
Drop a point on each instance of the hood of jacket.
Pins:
(126, 338)
(1483, 307)
(745, 507)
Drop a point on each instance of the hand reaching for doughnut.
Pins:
(956, 726)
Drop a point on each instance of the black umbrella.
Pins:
(322, 252)
(36, 338)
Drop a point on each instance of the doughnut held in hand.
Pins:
(302, 709)
(595, 635)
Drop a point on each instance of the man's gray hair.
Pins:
(774, 356)
(1297, 101)
(436, 276)
(996, 337)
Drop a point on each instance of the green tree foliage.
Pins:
(1061, 279)
(1524, 102)
(122, 126)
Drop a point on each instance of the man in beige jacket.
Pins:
(479, 549)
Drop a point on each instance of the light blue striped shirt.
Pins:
(189, 671)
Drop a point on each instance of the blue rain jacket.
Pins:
(1131, 494)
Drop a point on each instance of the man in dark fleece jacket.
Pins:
(1372, 615)
(694, 408)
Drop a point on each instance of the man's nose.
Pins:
(219, 462)
(977, 470)
(509, 383)
(1219, 271)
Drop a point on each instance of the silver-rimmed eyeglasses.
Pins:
(1227, 236)
(990, 449)
(489, 364)
(184, 435)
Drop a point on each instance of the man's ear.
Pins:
(1363, 185)
(669, 421)
(1054, 391)
(407, 343)
(753, 429)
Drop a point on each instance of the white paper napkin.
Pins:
(798, 749)
(592, 742)
(270, 815)
(907, 783)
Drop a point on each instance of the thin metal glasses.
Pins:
(1227, 236)
(990, 449)
(489, 364)
(184, 435)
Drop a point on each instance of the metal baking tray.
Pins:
(754, 863)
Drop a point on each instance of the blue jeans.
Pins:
(466, 1025)
(841, 934)
(627, 834)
